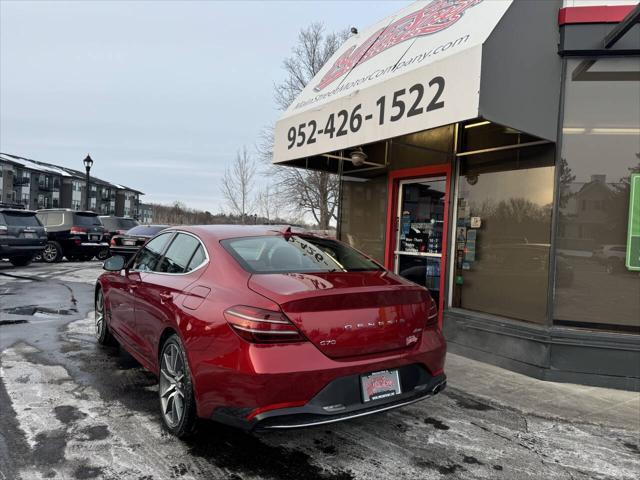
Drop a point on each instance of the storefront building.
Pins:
(485, 150)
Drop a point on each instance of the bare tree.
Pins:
(306, 191)
(237, 184)
(269, 203)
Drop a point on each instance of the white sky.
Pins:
(160, 93)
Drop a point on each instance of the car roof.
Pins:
(17, 210)
(216, 233)
(83, 212)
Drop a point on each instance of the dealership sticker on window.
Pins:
(633, 233)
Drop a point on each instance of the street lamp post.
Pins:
(88, 163)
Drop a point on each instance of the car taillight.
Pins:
(77, 230)
(432, 313)
(112, 242)
(262, 326)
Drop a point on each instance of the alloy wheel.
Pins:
(172, 375)
(50, 253)
(99, 313)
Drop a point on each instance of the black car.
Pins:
(114, 226)
(117, 225)
(22, 236)
(78, 236)
(128, 244)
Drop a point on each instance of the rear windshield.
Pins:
(114, 223)
(296, 254)
(17, 219)
(146, 230)
(85, 220)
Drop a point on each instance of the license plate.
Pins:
(378, 385)
(128, 243)
(94, 238)
(30, 235)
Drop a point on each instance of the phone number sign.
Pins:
(633, 233)
(432, 96)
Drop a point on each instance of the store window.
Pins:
(503, 232)
(600, 150)
(364, 214)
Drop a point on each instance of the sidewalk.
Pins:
(565, 401)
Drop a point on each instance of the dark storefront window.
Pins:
(364, 214)
(600, 149)
(503, 233)
(428, 147)
(483, 135)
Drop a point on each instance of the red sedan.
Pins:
(262, 328)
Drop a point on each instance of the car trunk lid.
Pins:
(348, 314)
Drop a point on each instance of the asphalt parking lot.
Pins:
(70, 409)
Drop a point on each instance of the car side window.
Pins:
(178, 255)
(54, 218)
(198, 259)
(149, 256)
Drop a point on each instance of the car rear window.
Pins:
(296, 254)
(126, 223)
(146, 230)
(19, 219)
(115, 223)
(86, 220)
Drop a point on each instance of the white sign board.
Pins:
(415, 70)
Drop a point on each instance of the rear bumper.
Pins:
(295, 382)
(21, 250)
(74, 248)
(344, 393)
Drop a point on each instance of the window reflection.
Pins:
(364, 215)
(601, 148)
(503, 233)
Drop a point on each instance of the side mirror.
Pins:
(114, 264)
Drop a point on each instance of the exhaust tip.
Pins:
(438, 388)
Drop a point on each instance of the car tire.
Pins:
(52, 252)
(103, 254)
(175, 392)
(20, 261)
(103, 333)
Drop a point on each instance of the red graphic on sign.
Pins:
(379, 384)
(433, 18)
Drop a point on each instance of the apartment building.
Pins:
(38, 185)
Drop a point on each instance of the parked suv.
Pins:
(22, 236)
(72, 234)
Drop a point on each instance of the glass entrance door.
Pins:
(421, 224)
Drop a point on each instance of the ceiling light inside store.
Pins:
(615, 131)
(479, 124)
(602, 130)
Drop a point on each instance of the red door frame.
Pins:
(392, 204)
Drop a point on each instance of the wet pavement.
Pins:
(70, 409)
